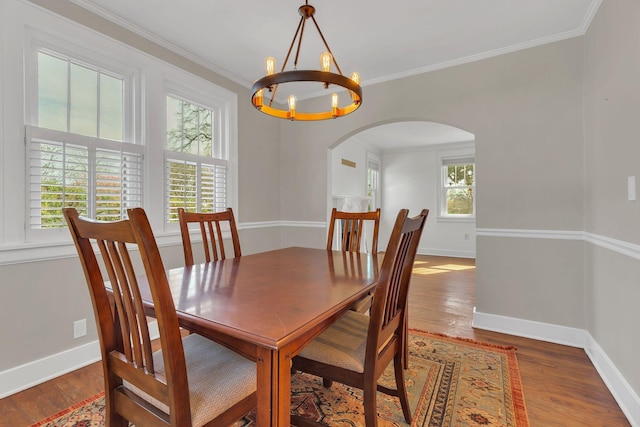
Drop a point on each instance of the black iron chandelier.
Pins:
(325, 76)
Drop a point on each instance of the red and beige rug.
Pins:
(451, 382)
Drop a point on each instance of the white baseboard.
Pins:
(33, 373)
(447, 252)
(622, 392)
(38, 371)
(529, 329)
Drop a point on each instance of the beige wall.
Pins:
(525, 110)
(612, 153)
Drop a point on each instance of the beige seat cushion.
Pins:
(218, 378)
(343, 344)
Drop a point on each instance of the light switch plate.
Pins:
(631, 188)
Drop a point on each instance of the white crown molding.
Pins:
(477, 57)
(591, 13)
(593, 8)
(159, 41)
(623, 393)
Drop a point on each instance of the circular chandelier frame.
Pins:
(270, 82)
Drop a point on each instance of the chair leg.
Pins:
(115, 420)
(112, 418)
(327, 383)
(405, 344)
(369, 398)
(398, 367)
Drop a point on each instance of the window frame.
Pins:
(446, 159)
(223, 105)
(144, 120)
(374, 163)
(38, 41)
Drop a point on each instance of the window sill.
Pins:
(468, 219)
(35, 252)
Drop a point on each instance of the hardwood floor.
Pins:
(561, 386)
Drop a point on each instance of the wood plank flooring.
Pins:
(561, 386)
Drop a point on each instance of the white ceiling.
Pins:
(382, 40)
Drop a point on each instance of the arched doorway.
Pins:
(406, 160)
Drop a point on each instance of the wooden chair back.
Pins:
(388, 310)
(336, 354)
(122, 326)
(353, 229)
(211, 233)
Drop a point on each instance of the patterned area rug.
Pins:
(451, 382)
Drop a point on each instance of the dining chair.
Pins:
(211, 233)
(352, 226)
(189, 381)
(352, 230)
(357, 349)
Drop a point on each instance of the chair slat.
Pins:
(210, 225)
(352, 230)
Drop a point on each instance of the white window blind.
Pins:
(195, 185)
(214, 188)
(101, 178)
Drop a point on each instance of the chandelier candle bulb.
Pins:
(292, 106)
(356, 78)
(325, 61)
(258, 99)
(334, 105)
(270, 65)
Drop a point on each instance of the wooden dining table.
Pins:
(268, 306)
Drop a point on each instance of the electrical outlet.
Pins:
(79, 328)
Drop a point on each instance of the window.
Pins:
(77, 154)
(195, 160)
(458, 192)
(79, 99)
(373, 182)
(91, 116)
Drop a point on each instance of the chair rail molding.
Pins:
(620, 246)
(32, 252)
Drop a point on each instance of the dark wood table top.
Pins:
(268, 306)
(266, 297)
